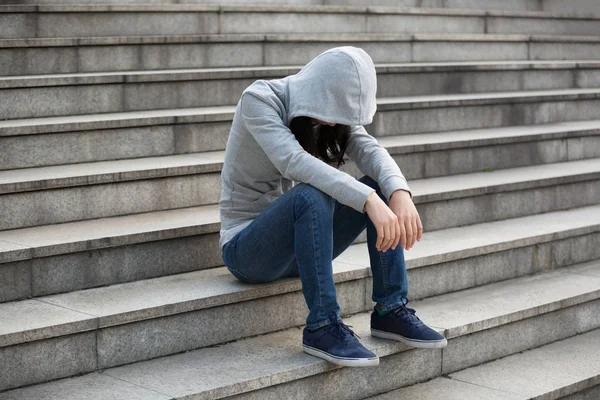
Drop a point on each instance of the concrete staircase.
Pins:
(113, 122)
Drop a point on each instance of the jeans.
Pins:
(299, 234)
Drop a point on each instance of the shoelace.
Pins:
(339, 329)
(408, 314)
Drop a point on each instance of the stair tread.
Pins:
(287, 8)
(25, 243)
(82, 78)
(166, 295)
(275, 358)
(291, 37)
(424, 190)
(169, 116)
(566, 367)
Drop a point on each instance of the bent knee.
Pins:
(313, 196)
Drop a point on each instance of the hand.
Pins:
(411, 228)
(385, 221)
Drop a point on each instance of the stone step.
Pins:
(128, 53)
(420, 156)
(567, 369)
(110, 136)
(84, 20)
(66, 193)
(36, 96)
(66, 257)
(572, 6)
(482, 324)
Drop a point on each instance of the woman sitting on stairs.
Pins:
(298, 129)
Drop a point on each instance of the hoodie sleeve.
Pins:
(375, 161)
(292, 161)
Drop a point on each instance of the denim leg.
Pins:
(390, 281)
(296, 228)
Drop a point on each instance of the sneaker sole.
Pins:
(343, 361)
(421, 344)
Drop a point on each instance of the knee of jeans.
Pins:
(315, 197)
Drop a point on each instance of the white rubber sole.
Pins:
(422, 344)
(346, 362)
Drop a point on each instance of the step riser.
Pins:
(122, 344)
(92, 24)
(64, 273)
(41, 207)
(35, 102)
(440, 119)
(413, 366)
(112, 265)
(97, 201)
(111, 144)
(157, 140)
(498, 206)
(581, 6)
(195, 329)
(120, 57)
(421, 165)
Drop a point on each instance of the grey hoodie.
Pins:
(263, 157)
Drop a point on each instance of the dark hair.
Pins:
(327, 143)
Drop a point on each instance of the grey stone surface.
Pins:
(15, 281)
(193, 51)
(447, 187)
(111, 144)
(110, 92)
(542, 26)
(47, 240)
(124, 344)
(480, 347)
(482, 239)
(279, 360)
(555, 370)
(447, 389)
(151, 298)
(427, 115)
(26, 179)
(512, 204)
(31, 320)
(441, 51)
(484, 307)
(46, 360)
(588, 394)
(352, 383)
(28, 209)
(113, 265)
(95, 386)
(126, 23)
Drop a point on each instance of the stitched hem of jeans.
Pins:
(321, 324)
(388, 307)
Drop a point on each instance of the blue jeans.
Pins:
(299, 234)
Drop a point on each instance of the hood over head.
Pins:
(338, 86)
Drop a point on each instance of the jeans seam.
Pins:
(382, 259)
(315, 243)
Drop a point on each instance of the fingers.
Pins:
(420, 228)
(389, 237)
(397, 240)
(409, 234)
(402, 234)
(380, 235)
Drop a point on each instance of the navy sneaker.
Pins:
(403, 325)
(337, 343)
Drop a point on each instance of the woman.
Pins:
(298, 129)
